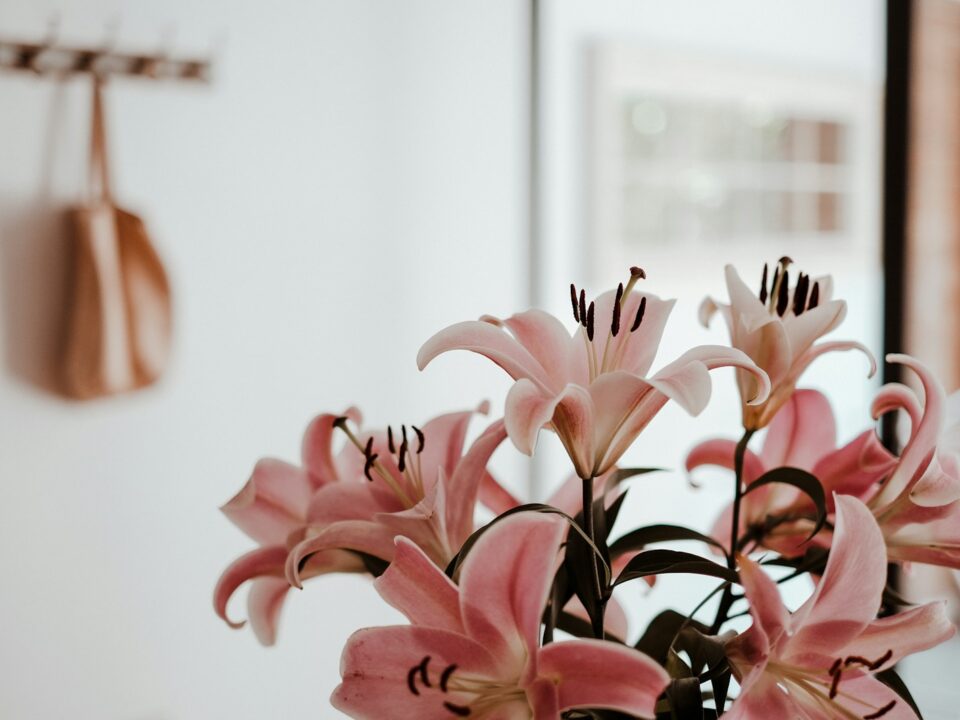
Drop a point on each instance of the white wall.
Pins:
(352, 181)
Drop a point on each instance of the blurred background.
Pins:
(357, 174)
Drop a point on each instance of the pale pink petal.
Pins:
(504, 583)
(718, 356)
(634, 351)
(424, 524)
(721, 453)
(262, 562)
(317, 447)
(359, 500)
(463, 486)
(490, 341)
(272, 504)
(766, 605)
(803, 362)
(751, 314)
(443, 442)
(847, 597)
(381, 679)
(765, 700)
(264, 604)
(526, 410)
(801, 432)
(924, 437)
(896, 396)
(547, 341)
(937, 486)
(601, 674)
(708, 308)
(415, 586)
(865, 695)
(575, 422)
(806, 329)
(905, 633)
(360, 535)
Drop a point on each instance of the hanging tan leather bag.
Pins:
(119, 316)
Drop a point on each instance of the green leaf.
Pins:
(622, 474)
(805, 482)
(662, 562)
(641, 537)
(895, 682)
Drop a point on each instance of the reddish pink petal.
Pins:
(491, 342)
(803, 362)
(599, 674)
(361, 535)
(272, 504)
(720, 453)
(801, 432)
(264, 604)
(317, 447)
(504, 584)
(381, 679)
(443, 442)
(855, 468)
(463, 486)
(424, 524)
(415, 586)
(766, 606)
(847, 598)
(494, 496)
(262, 562)
(547, 340)
(615, 621)
(905, 633)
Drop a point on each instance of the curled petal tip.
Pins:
(484, 407)
(708, 307)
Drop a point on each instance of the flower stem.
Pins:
(597, 617)
(727, 599)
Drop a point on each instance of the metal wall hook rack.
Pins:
(53, 59)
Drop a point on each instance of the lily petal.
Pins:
(317, 446)
(262, 562)
(361, 535)
(463, 487)
(601, 674)
(273, 502)
(905, 633)
(720, 453)
(415, 586)
(264, 604)
(800, 431)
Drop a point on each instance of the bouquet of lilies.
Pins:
(516, 618)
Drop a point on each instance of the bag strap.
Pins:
(99, 166)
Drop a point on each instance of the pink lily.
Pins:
(818, 662)
(918, 508)
(318, 518)
(802, 435)
(473, 650)
(591, 388)
(778, 331)
(422, 486)
(272, 509)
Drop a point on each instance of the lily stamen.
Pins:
(373, 464)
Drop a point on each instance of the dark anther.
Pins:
(800, 294)
(814, 296)
(590, 322)
(341, 422)
(763, 285)
(638, 272)
(403, 432)
(445, 677)
(458, 710)
(836, 666)
(615, 323)
(421, 440)
(835, 685)
(573, 301)
(411, 677)
(869, 664)
(785, 260)
(783, 297)
(402, 457)
(422, 668)
(776, 277)
(881, 712)
(641, 309)
(390, 444)
(583, 307)
(371, 457)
